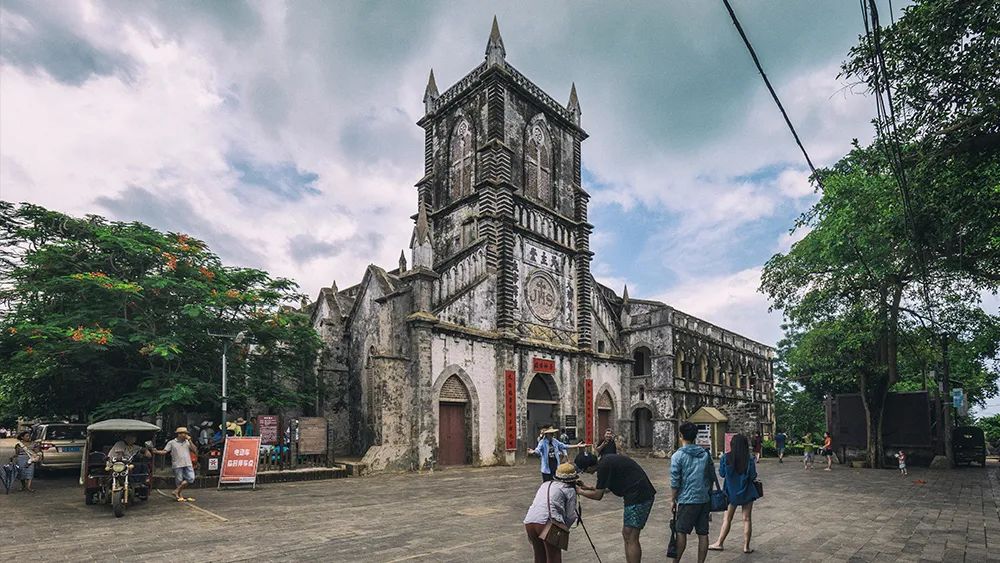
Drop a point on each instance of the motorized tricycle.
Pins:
(115, 477)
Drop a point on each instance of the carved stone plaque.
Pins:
(542, 296)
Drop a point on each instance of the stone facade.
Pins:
(497, 325)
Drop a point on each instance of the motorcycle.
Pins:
(114, 479)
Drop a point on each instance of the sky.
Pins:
(283, 134)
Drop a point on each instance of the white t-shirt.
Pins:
(180, 452)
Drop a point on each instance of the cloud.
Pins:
(40, 39)
(731, 301)
(283, 133)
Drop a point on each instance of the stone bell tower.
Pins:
(502, 177)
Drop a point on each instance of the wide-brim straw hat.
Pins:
(181, 430)
(566, 472)
(550, 431)
(240, 421)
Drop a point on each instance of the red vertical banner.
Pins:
(588, 409)
(510, 409)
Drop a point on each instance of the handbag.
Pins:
(554, 533)
(760, 488)
(717, 498)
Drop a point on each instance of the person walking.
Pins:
(758, 446)
(180, 450)
(691, 475)
(624, 477)
(549, 449)
(828, 450)
(779, 444)
(607, 445)
(28, 456)
(739, 471)
(555, 500)
(807, 451)
(251, 427)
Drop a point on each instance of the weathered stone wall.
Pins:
(474, 360)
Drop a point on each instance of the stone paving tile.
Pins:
(474, 514)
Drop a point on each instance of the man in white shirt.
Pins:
(180, 450)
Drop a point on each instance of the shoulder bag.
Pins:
(760, 488)
(717, 498)
(555, 533)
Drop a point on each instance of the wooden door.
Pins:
(451, 434)
(603, 423)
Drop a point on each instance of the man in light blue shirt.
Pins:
(549, 449)
(691, 475)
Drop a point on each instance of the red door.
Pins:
(451, 434)
(603, 423)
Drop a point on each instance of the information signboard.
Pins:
(239, 461)
(704, 438)
(312, 435)
(267, 428)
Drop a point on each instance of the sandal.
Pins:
(181, 499)
(747, 551)
(189, 499)
(715, 548)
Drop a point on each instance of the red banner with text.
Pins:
(588, 409)
(510, 409)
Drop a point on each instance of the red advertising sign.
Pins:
(267, 428)
(588, 409)
(729, 439)
(239, 460)
(541, 365)
(510, 409)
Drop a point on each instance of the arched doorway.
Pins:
(454, 443)
(542, 404)
(605, 414)
(642, 418)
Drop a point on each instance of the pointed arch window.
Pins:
(461, 160)
(538, 163)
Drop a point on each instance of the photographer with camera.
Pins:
(554, 507)
(624, 477)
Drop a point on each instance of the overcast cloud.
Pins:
(283, 133)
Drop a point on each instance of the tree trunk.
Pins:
(892, 335)
(869, 443)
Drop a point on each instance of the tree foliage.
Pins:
(906, 234)
(108, 318)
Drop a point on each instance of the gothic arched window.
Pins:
(538, 163)
(461, 160)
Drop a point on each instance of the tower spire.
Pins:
(430, 94)
(574, 104)
(420, 245)
(495, 52)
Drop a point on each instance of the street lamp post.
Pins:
(237, 339)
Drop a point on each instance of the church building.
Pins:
(495, 325)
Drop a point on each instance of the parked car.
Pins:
(969, 445)
(61, 444)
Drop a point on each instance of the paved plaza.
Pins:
(474, 514)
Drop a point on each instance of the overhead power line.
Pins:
(774, 95)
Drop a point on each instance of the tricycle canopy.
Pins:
(122, 425)
(102, 435)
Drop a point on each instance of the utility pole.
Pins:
(226, 338)
(946, 383)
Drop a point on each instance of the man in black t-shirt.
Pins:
(625, 478)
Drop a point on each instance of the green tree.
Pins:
(906, 234)
(991, 427)
(108, 318)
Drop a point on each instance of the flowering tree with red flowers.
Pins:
(101, 318)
